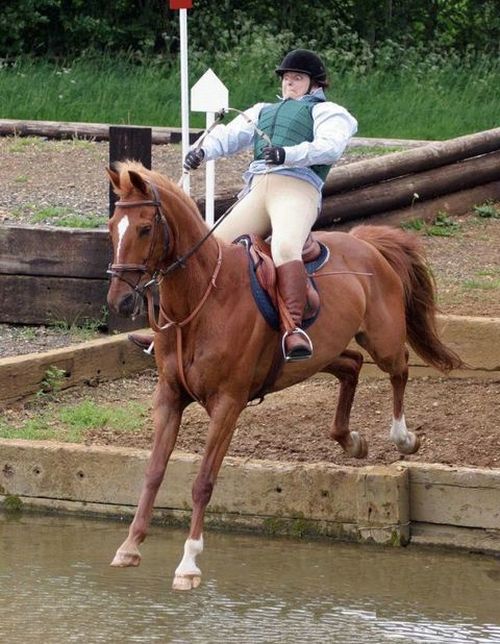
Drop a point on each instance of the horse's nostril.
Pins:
(126, 305)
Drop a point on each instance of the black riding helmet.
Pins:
(305, 61)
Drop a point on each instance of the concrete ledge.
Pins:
(391, 505)
(363, 504)
(446, 536)
(458, 496)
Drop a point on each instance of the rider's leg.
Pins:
(249, 216)
(293, 208)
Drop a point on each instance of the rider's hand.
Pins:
(274, 155)
(193, 159)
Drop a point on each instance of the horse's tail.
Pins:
(404, 252)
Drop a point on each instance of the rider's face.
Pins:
(294, 84)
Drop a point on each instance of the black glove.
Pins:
(274, 155)
(193, 159)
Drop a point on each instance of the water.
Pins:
(56, 587)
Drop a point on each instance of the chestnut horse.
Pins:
(213, 345)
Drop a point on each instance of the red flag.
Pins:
(181, 4)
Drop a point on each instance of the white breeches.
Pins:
(283, 206)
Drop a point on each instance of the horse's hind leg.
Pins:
(407, 442)
(394, 361)
(346, 368)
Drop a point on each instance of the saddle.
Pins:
(263, 277)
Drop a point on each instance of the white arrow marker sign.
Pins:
(209, 95)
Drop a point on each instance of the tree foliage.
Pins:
(69, 28)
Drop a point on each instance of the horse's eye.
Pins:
(143, 232)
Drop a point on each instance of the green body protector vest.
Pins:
(288, 123)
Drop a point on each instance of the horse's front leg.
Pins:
(220, 431)
(167, 413)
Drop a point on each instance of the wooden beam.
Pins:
(456, 203)
(87, 363)
(389, 166)
(54, 252)
(405, 191)
(48, 300)
(161, 135)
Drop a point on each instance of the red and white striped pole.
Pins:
(183, 6)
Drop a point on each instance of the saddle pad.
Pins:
(262, 298)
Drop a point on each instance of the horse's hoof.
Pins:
(186, 582)
(357, 446)
(411, 444)
(124, 559)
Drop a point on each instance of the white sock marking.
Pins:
(123, 224)
(399, 432)
(187, 566)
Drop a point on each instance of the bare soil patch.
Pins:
(457, 420)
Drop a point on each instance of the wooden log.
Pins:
(161, 135)
(403, 192)
(94, 131)
(49, 300)
(54, 252)
(433, 155)
(457, 203)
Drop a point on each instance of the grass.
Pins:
(59, 216)
(32, 429)
(82, 329)
(481, 284)
(443, 226)
(69, 423)
(21, 144)
(52, 381)
(64, 217)
(423, 102)
(488, 210)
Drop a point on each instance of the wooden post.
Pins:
(128, 143)
(133, 144)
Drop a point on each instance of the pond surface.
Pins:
(56, 587)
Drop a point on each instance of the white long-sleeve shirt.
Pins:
(333, 126)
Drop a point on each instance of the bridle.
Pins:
(159, 221)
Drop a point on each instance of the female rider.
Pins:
(282, 193)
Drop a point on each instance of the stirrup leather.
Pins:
(295, 331)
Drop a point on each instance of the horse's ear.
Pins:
(114, 177)
(138, 182)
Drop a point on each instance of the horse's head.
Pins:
(140, 237)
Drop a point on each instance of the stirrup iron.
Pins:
(301, 332)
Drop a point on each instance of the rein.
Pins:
(180, 324)
(158, 274)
